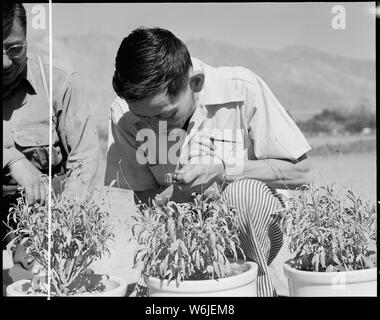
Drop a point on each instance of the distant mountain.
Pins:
(304, 80)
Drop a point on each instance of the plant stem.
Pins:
(79, 270)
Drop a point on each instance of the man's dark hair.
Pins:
(150, 61)
(11, 11)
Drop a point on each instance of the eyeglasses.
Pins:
(15, 51)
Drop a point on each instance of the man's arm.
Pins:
(277, 173)
(279, 146)
(11, 155)
(80, 134)
(25, 174)
(122, 168)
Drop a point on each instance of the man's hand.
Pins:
(198, 177)
(29, 177)
(198, 168)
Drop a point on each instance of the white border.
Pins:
(50, 139)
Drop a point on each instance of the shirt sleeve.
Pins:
(274, 133)
(78, 129)
(10, 156)
(123, 169)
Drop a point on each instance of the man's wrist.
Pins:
(234, 168)
(10, 165)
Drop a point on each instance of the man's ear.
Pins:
(197, 81)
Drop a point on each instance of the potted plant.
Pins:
(333, 236)
(192, 249)
(80, 233)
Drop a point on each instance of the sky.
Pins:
(260, 25)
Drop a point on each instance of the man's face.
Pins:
(13, 67)
(161, 107)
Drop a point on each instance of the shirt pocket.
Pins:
(34, 143)
(36, 136)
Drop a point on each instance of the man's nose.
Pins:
(7, 63)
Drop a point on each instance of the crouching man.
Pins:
(162, 90)
(26, 126)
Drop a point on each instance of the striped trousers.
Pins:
(260, 234)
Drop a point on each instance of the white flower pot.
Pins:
(331, 284)
(240, 285)
(114, 287)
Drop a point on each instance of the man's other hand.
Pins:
(29, 177)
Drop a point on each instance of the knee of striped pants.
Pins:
(256, 205)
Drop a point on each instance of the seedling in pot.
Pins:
(196, 240)
(330, 230)
(80, 235)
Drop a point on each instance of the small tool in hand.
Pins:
(221, 140)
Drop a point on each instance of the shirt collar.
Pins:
(30, 77)
(217, 89)
(25, 80)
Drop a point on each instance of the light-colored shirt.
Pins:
(26, 118)
(232, 98)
